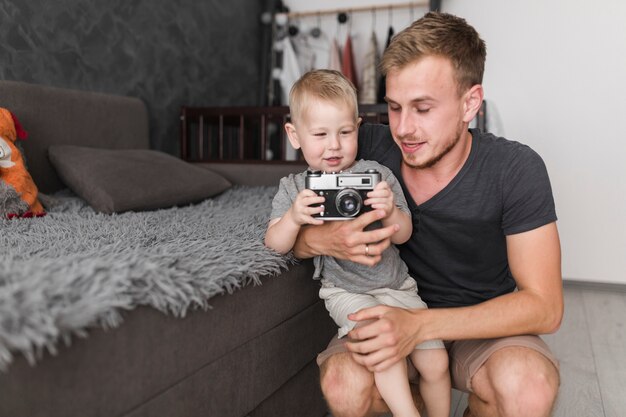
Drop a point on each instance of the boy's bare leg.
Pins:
(434, 386)
(393, 385)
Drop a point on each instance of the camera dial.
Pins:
(348, 202)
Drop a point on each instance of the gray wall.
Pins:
(167, 52)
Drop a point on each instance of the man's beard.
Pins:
(432, 161)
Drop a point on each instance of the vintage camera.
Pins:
(344, 192)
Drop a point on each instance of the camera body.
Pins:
(345, 192)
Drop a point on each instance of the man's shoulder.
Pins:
(374, 140)
(365, 164)
(502, 149)
(498, 143)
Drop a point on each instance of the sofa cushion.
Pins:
(118, 180)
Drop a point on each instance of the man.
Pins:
(485, 248)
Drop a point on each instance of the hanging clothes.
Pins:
(304, 52)
(321, 47)
(347, 63)
(334, 61)
(382, 91)
(290, 71)
(318, 48)
(289, 74)
(369, 86)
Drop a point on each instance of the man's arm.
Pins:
(403, 220)
(346, 239)
(536, 308)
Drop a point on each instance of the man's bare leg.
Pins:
(515, 381)
(350, 390)
(348, 387)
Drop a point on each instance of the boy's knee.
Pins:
(434, 366)
(347, 387)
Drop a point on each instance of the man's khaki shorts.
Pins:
(466, 356)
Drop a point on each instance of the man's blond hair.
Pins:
(444, 35)
(321, 84)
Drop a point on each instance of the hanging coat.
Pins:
(334, 61)
(369, 86)
(382, 90)
(290, 72)
(321, 48)
(347, 63)
(304, 52)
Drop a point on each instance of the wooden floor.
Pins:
(591, 347)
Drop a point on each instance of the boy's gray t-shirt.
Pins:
(390, 272)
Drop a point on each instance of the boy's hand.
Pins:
(301, 210)
(381, 198)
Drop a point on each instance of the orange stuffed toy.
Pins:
(18, 192)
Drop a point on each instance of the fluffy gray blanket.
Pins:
(75, 268)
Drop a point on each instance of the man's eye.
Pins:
(394, 108)
(423, 109)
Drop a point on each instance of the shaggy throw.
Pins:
(75, 268)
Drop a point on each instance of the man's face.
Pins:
(426, 113)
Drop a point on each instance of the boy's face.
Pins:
(327, 134)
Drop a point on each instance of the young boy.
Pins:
(324, 123)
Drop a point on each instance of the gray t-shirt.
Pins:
(457, 252)
(390, 272)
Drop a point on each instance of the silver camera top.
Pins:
(317, 180)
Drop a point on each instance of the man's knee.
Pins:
(518, 381)
(347, 387)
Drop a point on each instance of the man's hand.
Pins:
(391, 335)
(346, 239)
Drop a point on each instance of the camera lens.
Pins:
(348, 202)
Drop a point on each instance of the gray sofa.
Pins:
(262, 361)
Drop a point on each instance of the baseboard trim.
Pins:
(596, 286)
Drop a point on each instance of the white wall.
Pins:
(555, 80)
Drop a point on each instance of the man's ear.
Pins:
(473, 98)
(292, 135)
(359, 121)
